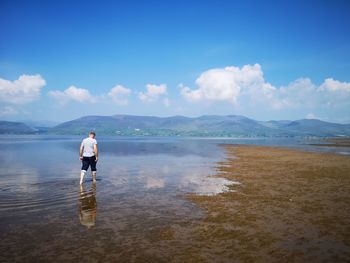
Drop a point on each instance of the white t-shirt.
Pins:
(88, 144)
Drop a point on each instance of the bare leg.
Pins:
(94, 176)
(82, 173)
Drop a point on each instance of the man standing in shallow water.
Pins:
(88, 156)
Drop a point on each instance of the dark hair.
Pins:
(93, 133)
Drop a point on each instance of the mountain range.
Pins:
(208, 125)
(11, 127)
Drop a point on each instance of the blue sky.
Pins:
(60, 60)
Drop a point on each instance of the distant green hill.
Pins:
(313, 126)
(40, 123)
(157, 126)
(209, 125)
(9, 127)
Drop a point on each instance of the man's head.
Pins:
(92, 134)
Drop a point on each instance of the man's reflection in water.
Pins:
(87, 206)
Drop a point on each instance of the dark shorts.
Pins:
(89, 161)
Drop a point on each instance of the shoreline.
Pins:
(292, 205)
(334, 142)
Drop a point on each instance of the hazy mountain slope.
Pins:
(317, 127)
(176, 125)
(208, 125)
(275, 124)
(40, 123)
(9, 127)
(231, 124)
(107, 124)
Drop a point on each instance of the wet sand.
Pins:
(291, 206)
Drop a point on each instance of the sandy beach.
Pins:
(291, 206)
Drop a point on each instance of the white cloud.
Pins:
(223, 84)
(153, 92)
(7, 110)
(335, 85)
(23, 90)
(190, 95)
(245, 87)
(119, 94)
(166, 102)
(302, 93)
(310, 116)
(72, 94)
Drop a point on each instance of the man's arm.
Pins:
(96, 151)
(81, 151)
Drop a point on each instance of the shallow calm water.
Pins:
(141, 183)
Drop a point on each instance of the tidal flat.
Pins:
(291, 206)
(174, 200)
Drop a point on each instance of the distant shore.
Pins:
(291, 206)
(334, 142)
